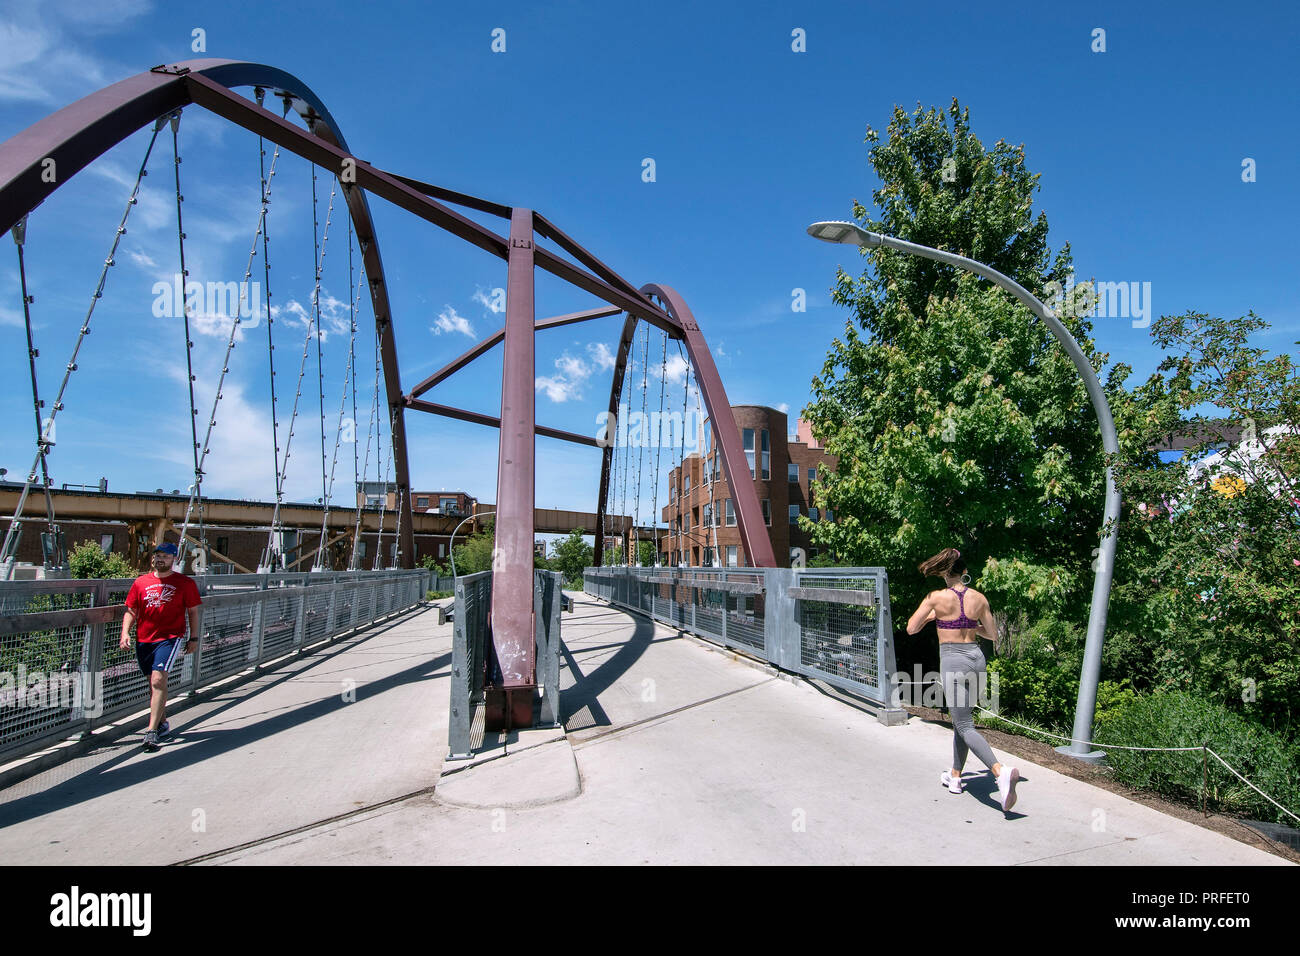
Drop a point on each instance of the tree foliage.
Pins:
(88, 560)
(957, 418)
(572, 555)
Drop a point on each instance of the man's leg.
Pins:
(157, 699)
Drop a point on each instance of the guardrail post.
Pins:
(259, 619)
(892, 714)
(91, 663)
(462, 685)
(780, 623)
(300, 625)
(548, 598)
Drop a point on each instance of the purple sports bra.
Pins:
(962, 621)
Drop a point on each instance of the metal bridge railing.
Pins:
(62, 672)
(471, 635)
(829, 623)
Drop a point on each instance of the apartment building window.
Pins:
(223, 545)
(421, 502)
(731, 555)
(812, 476)
(794, 514)
(442, 549)
(672, 490)
(767, 456)
(708, 558)
(106, 544)
(707, 511)
(812, 513)
(686, 485)
(731, 514)
(748, 435)
(793, 472)
(686, 521)
(767, 511)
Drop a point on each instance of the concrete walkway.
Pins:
(674, 753)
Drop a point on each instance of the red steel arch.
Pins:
(749, 514)
(79, 133)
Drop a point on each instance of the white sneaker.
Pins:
(946, 780)
(1007, 786)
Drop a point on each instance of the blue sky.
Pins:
(1140, 151)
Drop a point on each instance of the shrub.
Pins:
(1178, 719)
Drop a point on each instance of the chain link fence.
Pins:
(62, 671)
(829, 623)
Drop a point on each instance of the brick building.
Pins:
(700, 510)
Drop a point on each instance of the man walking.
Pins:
(158, 604)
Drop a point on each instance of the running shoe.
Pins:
(1007, 787)
(151, 740)
(946, 779)
(164, 731)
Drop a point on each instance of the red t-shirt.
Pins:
(159, 605)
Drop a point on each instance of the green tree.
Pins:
(572, 555)
(646, 554)
(956, 417)
(1219, 587)
(88, 560)
(475, 553)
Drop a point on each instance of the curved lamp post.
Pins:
(1085, 709)
(451, 547)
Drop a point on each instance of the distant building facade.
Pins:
(701, 513)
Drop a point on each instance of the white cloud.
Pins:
(142, 259)
(783, 407)
(601, 355)
(450, 321)
(675, 370)
(557, 388)
(490, 299)
(42, 60)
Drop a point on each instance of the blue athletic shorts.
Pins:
(158, 655)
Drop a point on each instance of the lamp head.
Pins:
(845, 232)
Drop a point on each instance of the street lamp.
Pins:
(451, 548)
(1086, 706)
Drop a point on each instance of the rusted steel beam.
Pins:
(512, 563)
(479, 418)
(459, 363)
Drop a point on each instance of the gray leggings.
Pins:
(961, 666)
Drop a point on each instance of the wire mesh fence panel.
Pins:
(31, 597)
(280, 624)
(745, 619)
(40, 682)
(315, 623)
(709, 608)
(228, 631)
(837, 639)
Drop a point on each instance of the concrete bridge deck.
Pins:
(674, 753)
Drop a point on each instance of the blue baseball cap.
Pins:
(167, 548)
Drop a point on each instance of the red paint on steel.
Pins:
(512, 560)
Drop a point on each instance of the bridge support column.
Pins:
(510, 704)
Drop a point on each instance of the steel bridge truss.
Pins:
(77, 134)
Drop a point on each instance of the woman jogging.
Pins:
(960, 617)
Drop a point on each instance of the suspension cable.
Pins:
(196, 489)
(175, 121)
(10, 542)
(348, 375)
(640, 448)
(315, 304)
(370, 431)
(383, 501)
(681, 469)
(663, 382)
(20, 239)
(270, 555)
(627, 449)
(302, 368)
